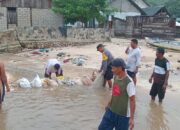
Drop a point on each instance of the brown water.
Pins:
(52, 109)
(79, 108)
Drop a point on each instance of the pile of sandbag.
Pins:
(95, 80)
(24, 82)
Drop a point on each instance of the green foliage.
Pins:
(81, 10)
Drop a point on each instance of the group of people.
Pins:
(121, 108)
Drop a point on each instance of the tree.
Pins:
(81, 10)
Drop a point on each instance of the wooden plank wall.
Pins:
(178, 32)
(42, 4)
(152, 26)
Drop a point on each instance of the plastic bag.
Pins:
(36, 83)
(99, 80)
(24, 83)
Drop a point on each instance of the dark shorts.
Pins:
(157, 89)
(109, 74)
(131, 74)
(2, 94)
(112, 120)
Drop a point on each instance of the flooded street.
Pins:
(80, 107)
(53, 109)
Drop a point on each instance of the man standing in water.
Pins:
(106, 64)
(53, 66)
(3, 83)
(121, 108)
(160, 75)
(134, 59)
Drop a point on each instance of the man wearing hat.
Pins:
(53, 66)
(160, 75)
(106, 64)
(121, 108)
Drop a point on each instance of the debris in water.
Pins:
(61, 54)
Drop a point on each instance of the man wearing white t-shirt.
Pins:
(134, 59)
(53, 66)
(121, 108)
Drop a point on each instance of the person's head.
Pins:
(134, 43)
(100, 48)
(118, 66)
(160, 52)
(56, 66)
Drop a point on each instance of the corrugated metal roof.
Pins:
(123, 15)
(150, 11)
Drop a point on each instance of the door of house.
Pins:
(11, 17)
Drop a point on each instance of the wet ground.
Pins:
(81, 108)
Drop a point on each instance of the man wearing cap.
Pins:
(121, 108)
(106, 64)
(160, 75)
(53, 66)
(134, 59)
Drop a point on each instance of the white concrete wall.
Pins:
(3, 19)
(46, 17)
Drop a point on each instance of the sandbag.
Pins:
(24, 83)
(86, 81)
(36, 82)
(49, 83)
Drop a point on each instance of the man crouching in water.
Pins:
(106, 68)
(3, 83)
(53, 66)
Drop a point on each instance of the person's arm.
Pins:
(132, 110)
(127, 50)
(151, 78)
(109, 103)
(166, 80)
(104, 67)
(4, 77)
(59, 73)
(131, 93)
(166, 76)
(138, 61)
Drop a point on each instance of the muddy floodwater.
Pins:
(80, 107)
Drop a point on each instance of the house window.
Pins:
(11, 15)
